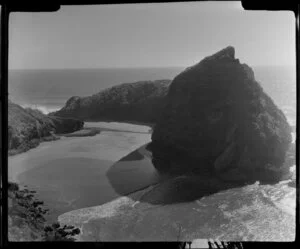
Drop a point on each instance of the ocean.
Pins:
(48, 90)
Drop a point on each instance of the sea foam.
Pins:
(43, 109)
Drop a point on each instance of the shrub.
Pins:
(27, 214)
(55, 232)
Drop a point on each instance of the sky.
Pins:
(149, 35)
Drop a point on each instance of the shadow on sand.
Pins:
(141, 169)
(134, 172)
(148, 166)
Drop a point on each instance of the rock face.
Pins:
(218, 115)
(139, 101)
(27, 127)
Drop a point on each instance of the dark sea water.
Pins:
(49, 90)
(54, 162)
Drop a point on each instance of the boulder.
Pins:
(218, 115)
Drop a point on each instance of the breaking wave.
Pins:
(43, 109)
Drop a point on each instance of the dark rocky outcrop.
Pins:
(218, 118)
(136, 102)
(27, 127)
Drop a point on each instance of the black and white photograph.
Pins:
(149, 122)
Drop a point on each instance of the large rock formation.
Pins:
(27, 127)
(139, 102)
(217, 115)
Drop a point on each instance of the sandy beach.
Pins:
(71, 172)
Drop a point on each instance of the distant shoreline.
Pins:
(151, 125)
(84, 132)
(36, 142)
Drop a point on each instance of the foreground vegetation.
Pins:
(27, 222)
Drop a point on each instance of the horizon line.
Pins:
(139, 67)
